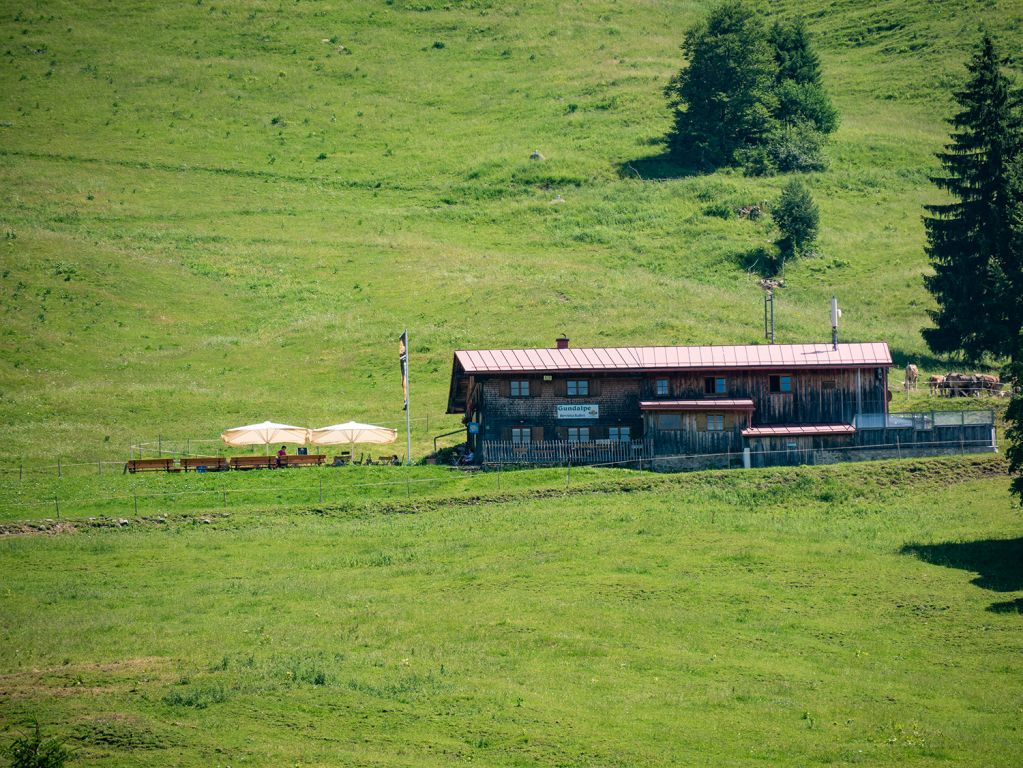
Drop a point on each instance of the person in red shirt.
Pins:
(282, 456)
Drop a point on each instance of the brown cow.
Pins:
(989, 383)
(936, 384)
(912, 374)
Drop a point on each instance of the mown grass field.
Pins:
(213, 213)
(858, 615)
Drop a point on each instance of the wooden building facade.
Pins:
(755, 404)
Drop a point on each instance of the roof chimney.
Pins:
(562, 341)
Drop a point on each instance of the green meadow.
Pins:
(862, 615)
(212, 213)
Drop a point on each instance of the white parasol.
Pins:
(264, 434)
(352, 432)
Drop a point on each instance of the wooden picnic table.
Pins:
(253, 462)
(212, 463)
(150, 465)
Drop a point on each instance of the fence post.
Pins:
(135, 497)
(159, 445)
(21, 468)
(225, 498)
(99, 467)
(56, 503)
(408, 488)
(321, 490)
(568, 478)
(58, 467)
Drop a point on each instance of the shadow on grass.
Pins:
(901, 358)
(1009, 606)
(998, 563)
(759, 261)
(662, 167)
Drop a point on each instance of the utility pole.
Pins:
(403, 359)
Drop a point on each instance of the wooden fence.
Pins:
(555, 452)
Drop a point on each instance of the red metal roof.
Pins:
(799, 430)
(709, 404)
(775, 356)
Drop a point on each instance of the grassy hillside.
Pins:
(860, 615)
(217, 212)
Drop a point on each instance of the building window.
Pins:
(669, 421)
(520, 435)
(662, 387)
(619, 434)
(715, 385)
(520, 389)
(578, 434)
(577, 388)
(715, 422)
(781, 385)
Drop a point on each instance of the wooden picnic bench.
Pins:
(212, 463)
(253, 462)
(150, 465)
(392, 459)
(303, 460)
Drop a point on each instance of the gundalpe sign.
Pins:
(579, 411)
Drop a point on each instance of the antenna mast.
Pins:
(835, 314)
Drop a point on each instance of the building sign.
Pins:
(474, 428)
(579, 411)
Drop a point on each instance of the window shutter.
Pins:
(561, 388)
(505, 388)
(506, 434)
(595, 387)
(534, 387)
(536, 434)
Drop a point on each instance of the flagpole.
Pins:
(408, 408)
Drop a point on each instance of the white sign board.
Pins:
(579, 411)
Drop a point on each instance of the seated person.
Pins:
(282, 456)
(468, 458)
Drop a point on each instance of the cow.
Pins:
(956, 385)
(912, 374)
(936, 384)
(989, 383)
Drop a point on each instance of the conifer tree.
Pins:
(797, 217)
(1014, 421)
(793, 53)
(971, 241)
(798, 86)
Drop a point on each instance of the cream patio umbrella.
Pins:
(350, 433)
(264, 434)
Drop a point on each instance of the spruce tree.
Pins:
(797, 217)
(796, 59)
(971, 241)
(723, 100)
(800, 91)
(1014, 420)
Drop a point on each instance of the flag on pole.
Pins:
(403, 359)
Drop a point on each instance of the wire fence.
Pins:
(478, 482)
